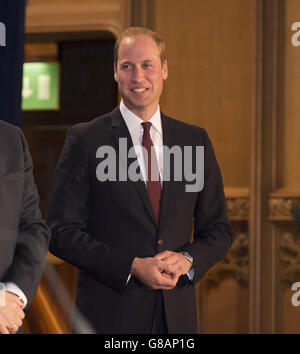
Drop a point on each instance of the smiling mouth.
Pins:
(139, 90)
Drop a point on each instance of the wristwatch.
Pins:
(189, 258)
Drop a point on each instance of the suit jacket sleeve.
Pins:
(212, 229)
(69, 215)
(33, 236)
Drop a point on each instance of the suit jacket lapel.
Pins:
(120, 130)
(169, 140)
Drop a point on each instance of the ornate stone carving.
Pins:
(238, 208)
(289, 257)
(235, 263)
(281, 209)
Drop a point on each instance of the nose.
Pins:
(137, 74)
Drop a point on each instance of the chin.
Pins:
(137, 105)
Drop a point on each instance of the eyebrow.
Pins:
(131, 63)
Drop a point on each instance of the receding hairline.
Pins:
(133, 32)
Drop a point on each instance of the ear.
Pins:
(165, 70)
(115, 73)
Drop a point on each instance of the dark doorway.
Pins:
(87, 90)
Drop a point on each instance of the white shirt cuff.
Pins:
(191, 274)
(13, 288)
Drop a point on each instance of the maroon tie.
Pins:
(153, 180)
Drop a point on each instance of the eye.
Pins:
(127, 67)
(147, 66)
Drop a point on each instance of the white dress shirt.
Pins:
(136, 130)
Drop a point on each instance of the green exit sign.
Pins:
(40, 86)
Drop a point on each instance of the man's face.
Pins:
(140, 74)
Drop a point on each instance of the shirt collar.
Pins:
(133, 121)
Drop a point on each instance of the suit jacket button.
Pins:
(160, 242)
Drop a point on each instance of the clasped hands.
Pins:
(162, 271)
(11, 315)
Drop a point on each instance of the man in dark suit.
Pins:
(129, 236)
(24, 237)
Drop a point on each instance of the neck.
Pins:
(144, 114)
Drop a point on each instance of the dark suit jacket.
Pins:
(24, 237)
(101, 226)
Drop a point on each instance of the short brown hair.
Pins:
(135, 31)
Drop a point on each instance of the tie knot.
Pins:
(146, 126)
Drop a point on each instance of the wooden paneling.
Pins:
(211, 83)
(284, 197)
(291, 132)
(75, 16)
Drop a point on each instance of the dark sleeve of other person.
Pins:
(25, 234)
